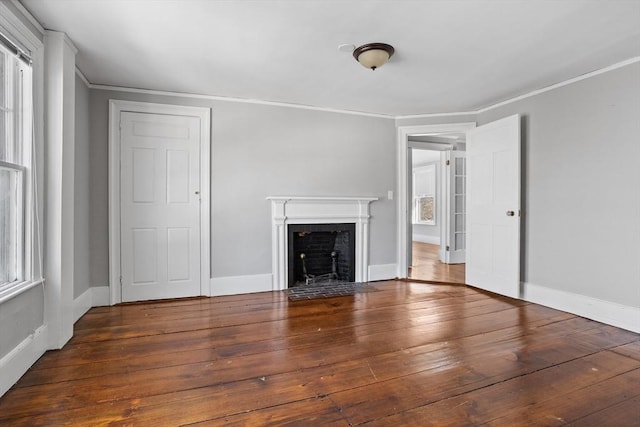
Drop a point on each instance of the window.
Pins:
(424, 195)
(15, 165)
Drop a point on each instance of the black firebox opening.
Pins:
(328, 253)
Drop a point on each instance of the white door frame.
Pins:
(404, 132)
(115, 108)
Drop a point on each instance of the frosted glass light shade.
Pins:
(373, 55)
(373, 58)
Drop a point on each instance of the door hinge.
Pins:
(120, 280)
(447, 248)
(448, 162)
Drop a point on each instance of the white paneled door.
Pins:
(493, 207)
(160, 206)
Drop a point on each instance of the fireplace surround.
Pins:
(287, 210)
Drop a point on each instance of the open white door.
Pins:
(455, 203)
(409, 210)
(160, 206)
(493, 207)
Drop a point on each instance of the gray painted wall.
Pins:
(20, 317)
(581, 174)
(260, 151)
(82, 198)
(426, 230)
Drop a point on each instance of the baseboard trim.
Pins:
(100, 296)
(611, 313)
(82, 304)
(93, 297)
(382, 272)
(235, 285)
(423, 238)
(15, 363)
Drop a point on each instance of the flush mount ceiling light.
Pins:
(373, 55)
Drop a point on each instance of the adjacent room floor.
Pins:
(400, 354)
(426, 266)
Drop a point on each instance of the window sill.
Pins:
(12, 291)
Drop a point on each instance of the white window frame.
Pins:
(29, 131)
(17, 216)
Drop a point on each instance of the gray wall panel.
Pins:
(260, 151)
(581, 159)
(20, 317)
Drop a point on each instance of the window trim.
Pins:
(20, 214)
(31, 127)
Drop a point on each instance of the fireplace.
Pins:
(289, 213)
(319, 253)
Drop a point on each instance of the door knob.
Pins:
(510, 213)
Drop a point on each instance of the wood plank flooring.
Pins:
(426, 266)
(405, 354)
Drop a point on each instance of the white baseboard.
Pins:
(15, 363)
(434, 240)
(234, 285)
(382, 272)
(100, 296)
(93, 297)
(82, 304)
(611, 313)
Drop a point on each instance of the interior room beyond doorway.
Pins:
(436, 197)
(425, 265)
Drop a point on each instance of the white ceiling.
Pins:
(451, 55)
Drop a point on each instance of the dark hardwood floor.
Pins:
(426, 266)
(406, 354)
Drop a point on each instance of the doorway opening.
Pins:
(432, 201)
(492, 226)
(159, 208)
(437, 188)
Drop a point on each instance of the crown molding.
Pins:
(84, 79)
(530, 94)
(25, 12)
(361, 113)
(240, 100)
(561, 84)
(62, 36)
(18, 31)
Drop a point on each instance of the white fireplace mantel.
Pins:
(318, 210)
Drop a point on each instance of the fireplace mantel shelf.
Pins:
(287, 210)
